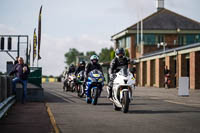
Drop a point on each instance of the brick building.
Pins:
(182, 54)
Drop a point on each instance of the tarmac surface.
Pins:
(153, 110)
(26, 118)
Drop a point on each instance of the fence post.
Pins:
(5, 88)
(9, 86)
(1, 89)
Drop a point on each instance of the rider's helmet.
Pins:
(119, 52)
(82, 63)
(94, 59)
(72, 67)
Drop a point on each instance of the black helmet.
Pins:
(72, 66)
(119, 51)
(82, 63)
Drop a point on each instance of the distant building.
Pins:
(181, 34)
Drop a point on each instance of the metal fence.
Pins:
(6, 97)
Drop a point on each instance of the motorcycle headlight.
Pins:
(100, 80)
(92, 79)
(96, 75)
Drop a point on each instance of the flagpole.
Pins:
(29, 53)
(37, 62)
(142, 43)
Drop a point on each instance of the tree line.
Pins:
(106, 55)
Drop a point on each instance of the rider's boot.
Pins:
(109, 92)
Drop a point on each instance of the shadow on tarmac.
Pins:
(104, 104)
(50, 98)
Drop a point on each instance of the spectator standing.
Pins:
(21, 72)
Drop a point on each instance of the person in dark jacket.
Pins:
(21, 72)
(72, 69)
(81, 67)
(93, 64)
(116, 64)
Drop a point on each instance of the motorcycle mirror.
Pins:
(132, 62)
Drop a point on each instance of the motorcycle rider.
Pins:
(72, 69)
(81, 67)
(119, 61)
(64, 78)
(93, 64)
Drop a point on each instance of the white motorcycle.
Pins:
(71, 82)
(122, 89)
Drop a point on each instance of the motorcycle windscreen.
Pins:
(124, 71)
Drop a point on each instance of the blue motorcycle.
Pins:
(94, 86)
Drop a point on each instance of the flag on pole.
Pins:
(39, 33)
(34, 44)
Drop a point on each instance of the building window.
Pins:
(149, 39)
(190, 39)
(119, 43)
(128, 42)
(181, 40)
(159, 38)
(122, 43)
(197, 38)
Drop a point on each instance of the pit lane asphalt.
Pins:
(146, 114)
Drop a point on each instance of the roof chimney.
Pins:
(160, 4)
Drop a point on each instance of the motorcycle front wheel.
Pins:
(125, 102)
(95, 94)
(80, 90)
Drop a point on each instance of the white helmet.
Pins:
(94, 59)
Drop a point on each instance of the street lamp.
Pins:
(162, 44)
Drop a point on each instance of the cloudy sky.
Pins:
(83, 24)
